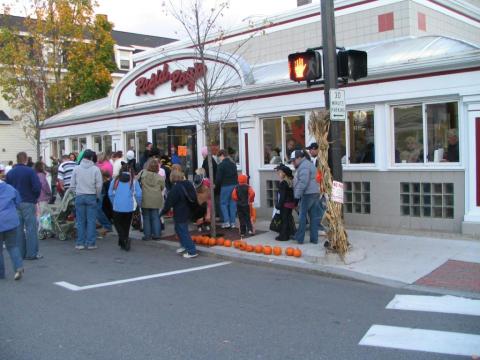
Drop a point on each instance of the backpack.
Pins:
(192, 203)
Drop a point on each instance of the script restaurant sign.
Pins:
(178, 79)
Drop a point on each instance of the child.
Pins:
(285, 202)
(244, 195)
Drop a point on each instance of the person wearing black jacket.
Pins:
(205, 164)
(285, 202)
(182, 197)
(226, 180)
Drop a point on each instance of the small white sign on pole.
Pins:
(337, 192)
(338, 106)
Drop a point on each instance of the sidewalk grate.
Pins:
(454, 275)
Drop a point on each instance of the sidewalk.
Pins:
(450, 266)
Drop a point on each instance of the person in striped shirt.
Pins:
(65, 171)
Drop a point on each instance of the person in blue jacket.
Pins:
(9, 200)
(26, 182)
(182, 197)
(125, 194)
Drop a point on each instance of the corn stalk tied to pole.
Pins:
(319, 126)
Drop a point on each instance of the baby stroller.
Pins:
(62, 220)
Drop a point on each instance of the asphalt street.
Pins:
(233, 311)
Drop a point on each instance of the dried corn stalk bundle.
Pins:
(319, 126)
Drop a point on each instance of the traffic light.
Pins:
(352, 64)
(305, 66)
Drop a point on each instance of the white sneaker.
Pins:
(79, 247)
(226, 226)
(18, 274)
(322, 233)
(92, 247)
(189, 256)
(180, 250)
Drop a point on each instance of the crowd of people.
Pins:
(118, 192)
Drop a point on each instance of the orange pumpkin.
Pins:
(277, 251)
(220, 241)
(236, 244)
(259, 249)
(289, 251)
(227, 243)
(297, 252)
(242, 246)
(249, 248)
(267, 250)
(205, 240)
(212, 242)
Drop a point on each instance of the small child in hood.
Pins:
(244, 195)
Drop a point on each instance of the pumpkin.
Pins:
(227, 243)
(277, 251)
(212, 241)
(205, 240)
(259, 249)
(297, 252)
(236, 244)
(249, 248)
(267, 250)
(289, 251)
(220, 241)
(242, 246)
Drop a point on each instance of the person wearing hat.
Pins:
(132, 162)
(285, 202)
(87, 182)
(307, 192)
(313, 150)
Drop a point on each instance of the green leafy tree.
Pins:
(60, 56)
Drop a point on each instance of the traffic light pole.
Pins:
(330, 76)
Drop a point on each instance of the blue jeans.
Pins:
(101, 217)
(10, 239)
(86, 216)
(309, 204)
(151, 223)
(322, 208)
(27, 231)
(185, 240)
(227, 205)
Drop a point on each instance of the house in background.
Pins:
(12, 136)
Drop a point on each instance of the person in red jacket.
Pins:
(244, 195)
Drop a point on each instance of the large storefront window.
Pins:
(214, 138)
(426, 133)
(281, 136)
(230, 140)
(361, 137)
(136, 141)
(102, 143)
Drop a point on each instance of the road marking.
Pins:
(442, 304)
(422, 340)
(73, 287)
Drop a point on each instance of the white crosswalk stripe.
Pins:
(442, 342)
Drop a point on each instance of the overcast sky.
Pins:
(147, 17)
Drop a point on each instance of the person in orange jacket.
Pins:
(244, 195)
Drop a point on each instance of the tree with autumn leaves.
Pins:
(61, 55)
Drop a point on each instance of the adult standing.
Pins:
(152, 185)
(117, 159)
(87, 183)
(65, 171)
(45, 192)
(306, 191)
(313, 150)
(24, 179)
(124, 193)
(146, 155)
(9, 200)
(104, 164)
(226, 180)
(53, 178)
(132, 162)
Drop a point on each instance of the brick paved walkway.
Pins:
(454, 275)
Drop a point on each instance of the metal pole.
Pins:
(330, 76)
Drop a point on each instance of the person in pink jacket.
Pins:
(104, 164)
(46, 192)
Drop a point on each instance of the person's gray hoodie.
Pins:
(305, 179)
(87, 179)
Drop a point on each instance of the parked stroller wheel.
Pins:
(62, 237)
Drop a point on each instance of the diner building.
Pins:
(411, 141)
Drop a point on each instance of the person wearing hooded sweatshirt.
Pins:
(244, 195)
(9, 200)
(87, 183)
(124, 193)
(152, 185)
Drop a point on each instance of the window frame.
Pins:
(220, 125)
(262, 140)
(360, 166)
(425, 165)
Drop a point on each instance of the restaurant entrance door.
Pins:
(179, 143)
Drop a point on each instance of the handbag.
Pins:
(276, 223)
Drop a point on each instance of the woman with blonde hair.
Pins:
(152, 185)
(182, 198)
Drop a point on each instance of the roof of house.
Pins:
(121, 38)
(386, 58)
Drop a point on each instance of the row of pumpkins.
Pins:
(244, 246)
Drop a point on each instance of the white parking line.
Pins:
(441, 342)
(73, 287)
(442, 304)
